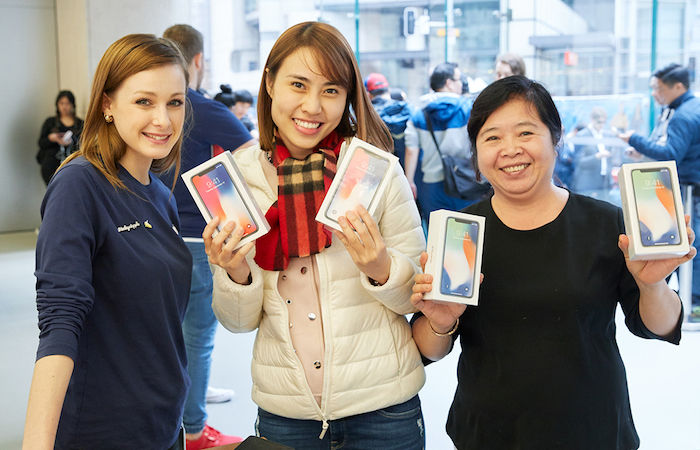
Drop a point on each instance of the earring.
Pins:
(109, 118)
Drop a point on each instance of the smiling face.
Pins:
(148, 110)
(306, 106)
(515, 151)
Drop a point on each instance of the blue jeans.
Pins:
(432, 196)
(695, 220)
(398, 427)
(198, 328)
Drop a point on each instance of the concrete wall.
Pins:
(49, 46)
(28, 87)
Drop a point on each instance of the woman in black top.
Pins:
(540, 367)
(55, 143)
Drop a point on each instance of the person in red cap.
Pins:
(375, 82)
(395, 114)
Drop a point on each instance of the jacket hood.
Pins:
(447, 107)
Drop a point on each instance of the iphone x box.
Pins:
(219, 190)
(455, 245)
(653, 210)
(361, 179)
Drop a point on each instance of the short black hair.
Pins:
(501, 92)
(672, 74)
(442, 73)
(68, 95)
(226, 95)
(242, 96)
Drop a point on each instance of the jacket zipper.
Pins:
(322, 288)
(324, 428)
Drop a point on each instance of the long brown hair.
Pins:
(100, 143)
(337, 62)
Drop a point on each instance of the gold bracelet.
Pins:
(449, 333)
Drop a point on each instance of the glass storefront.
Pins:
(593, 55)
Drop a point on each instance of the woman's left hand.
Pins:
(364, 242)
(654, 271)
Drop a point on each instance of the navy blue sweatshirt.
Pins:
(113, 280)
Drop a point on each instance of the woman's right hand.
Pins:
(223, 254)
(441, 315)
(56, 137)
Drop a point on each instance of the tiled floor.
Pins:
(664, 380)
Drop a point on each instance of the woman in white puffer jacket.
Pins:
(334, 360)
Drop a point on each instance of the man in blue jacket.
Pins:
(449, 113)
(677, 137)
(210, 123)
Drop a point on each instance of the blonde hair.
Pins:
(100, 143)
(336, 61)
(514, 61)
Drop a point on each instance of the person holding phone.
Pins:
(60, 135)
(333, 358)
(540, 367)
(113, 274)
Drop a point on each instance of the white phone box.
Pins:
(653, 210)
(361, 178)
(218, 189)
(455, 246)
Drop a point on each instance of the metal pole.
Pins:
(654, 23)
(449, 23)
(685, 271)
(357, 31)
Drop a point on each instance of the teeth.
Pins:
(512, 169)
(310, 125)
(157, 138)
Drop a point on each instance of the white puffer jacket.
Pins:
(371, 360)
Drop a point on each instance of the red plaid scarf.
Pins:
(302, 185)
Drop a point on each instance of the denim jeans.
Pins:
(695, 220)
(198, 328)
(398, 427)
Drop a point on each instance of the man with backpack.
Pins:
(439, 128)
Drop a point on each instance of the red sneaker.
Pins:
(211, 437)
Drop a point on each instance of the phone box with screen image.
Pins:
(653, 210)
(219, 190)
(455, 245)
(361, 179)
